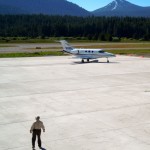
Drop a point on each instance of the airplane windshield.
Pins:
(101, 51)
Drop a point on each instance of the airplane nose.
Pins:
(113, 55)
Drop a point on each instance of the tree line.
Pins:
(95, 28)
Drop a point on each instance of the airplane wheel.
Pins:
(82, 60)
(107, 60)
(87, 60)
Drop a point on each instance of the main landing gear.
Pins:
(107, 60)
(88, 60)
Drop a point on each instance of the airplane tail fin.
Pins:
(66, 46)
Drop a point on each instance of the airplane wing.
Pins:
(86, 56)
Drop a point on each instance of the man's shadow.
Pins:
(42, 148)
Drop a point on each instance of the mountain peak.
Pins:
(122, 8)
(119, 5)
(120, 1)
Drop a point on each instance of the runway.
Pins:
(38, 47)
(90, 106)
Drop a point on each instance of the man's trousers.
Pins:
(36, 132)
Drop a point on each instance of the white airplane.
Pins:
(85, 53)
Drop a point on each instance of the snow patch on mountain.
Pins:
(116, 5)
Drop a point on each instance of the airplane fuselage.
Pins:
(91, 53)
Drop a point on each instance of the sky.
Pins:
(91, 5)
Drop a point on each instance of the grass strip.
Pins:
(3, 46)
(130, 51)
(35, 54)
(118, 45)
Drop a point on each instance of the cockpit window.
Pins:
(101, 51)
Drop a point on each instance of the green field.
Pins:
(11, 40)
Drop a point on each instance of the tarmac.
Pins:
(89, 106)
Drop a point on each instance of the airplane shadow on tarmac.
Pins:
(94, 62)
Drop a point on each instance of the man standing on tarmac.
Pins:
(36, 131)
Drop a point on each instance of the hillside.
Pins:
(49, 7)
